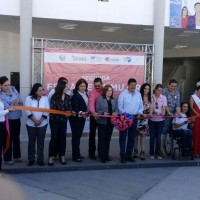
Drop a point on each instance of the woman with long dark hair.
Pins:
(80, 106)
(145, 91)
(181, 128)
(36, 124)
(58, 123)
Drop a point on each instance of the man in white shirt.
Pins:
(130, 102)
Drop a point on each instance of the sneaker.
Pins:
(9, 162)
(152, 157)
(159, 157)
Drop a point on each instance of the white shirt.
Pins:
(179, 121)
(85, 97)
(2, 112)
(130, 103)
(42, 103)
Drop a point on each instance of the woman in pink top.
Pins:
(157, 111)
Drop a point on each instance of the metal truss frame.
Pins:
(39, 44)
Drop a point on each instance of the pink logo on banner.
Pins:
(114, 68)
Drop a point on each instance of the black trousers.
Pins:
(3, 133)
(77, 126)
(56, 148)
(104, 138)
(58, 132)
(36, 133)
(14, 149)
(92, 135)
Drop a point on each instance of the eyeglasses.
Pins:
(156, 105)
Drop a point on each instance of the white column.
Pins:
(25, 46)
(159, 25)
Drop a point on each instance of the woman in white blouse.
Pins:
(36, 123)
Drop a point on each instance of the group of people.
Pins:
(191, 21)
(148, 111)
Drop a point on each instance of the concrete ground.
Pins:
(117, 184)
(88, 164)
(92, 180)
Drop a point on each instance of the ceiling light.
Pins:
(187, 33)
(180, 46)
(146, 31)
(191, 32)
(67, 26)
(110, 28)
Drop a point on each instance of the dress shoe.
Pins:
(41, 163)
(18, 160)
(81, 157)
(123, 160)
(135, 153)
(152, 157)
(56, 157)
(130, 159)
(9, 162)
(50, 161)
(159, 157)
(62, 160)
(31, 163)
(103, 160)
(77, 160)
(92, 157)
(108, 158)
(142, 155)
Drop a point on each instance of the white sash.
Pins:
(196, 100)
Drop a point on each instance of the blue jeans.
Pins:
(186, 136)
(126, 148)
(155, 130)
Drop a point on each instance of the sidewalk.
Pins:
(88, 164)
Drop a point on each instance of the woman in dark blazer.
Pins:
(79, 102)
(105, 105)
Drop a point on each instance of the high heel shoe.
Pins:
(135, 155)
(142, 155)
(50, 161)
(62, 160)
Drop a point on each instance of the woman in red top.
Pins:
(184, 15)
(195, 106)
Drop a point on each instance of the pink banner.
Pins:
(114, 68)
